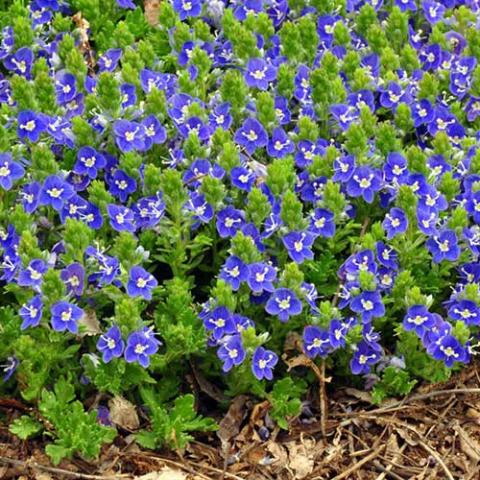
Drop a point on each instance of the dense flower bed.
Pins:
(240, 181)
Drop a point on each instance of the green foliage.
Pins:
(285, 399)
(75, 430)
(394, 382)
(172, 426)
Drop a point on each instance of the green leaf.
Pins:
(25, 427)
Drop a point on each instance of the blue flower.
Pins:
(343, 168)
(263, 363)
(242, 178)
(111, 344)
(427, 221)
(316, 342)
(10, 171)
(364, 182)
(449, 350)
(65, 87)
(220, 117)
(128, 94)
(444, 246)
(251, 135)
(187, 8)
(73, 277)
(231, 352)
(155, 133)
(139, 348)
(121, 218)
(229, 221)
(10, 367)
(65, 316)
(30, 196)
(55, 191)
(395, 168)
(140, 283)
(298, 245)
(109, 60)
(20, 62)
(432, 200)
(89, 161)
(322, 223)
(126, 4)
(259, 73)
(419, 319)
(261, 277)
(405, 5)
(30, 125)
(387, 256)
(220, 322)
(433, 11)
(466, 311)
(122, 185)
(364, 357)
(392, 96)
(31, 312)
(234, 271)
(395, 222)
(279, 146)
(129, 135)
(32, 276)
(149, 211)
(422, 113)
(337, 332)
(202, 210)
(344, 115)
(369, 305)
(284, 304)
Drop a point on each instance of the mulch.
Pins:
(432, 434)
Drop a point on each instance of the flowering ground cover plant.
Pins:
(240, 183)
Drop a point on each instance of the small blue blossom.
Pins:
(395, 222)
(259, 73)
(10, 171)
(363, 358)
(89, 161)
(129, 135)
(139, 348)
(251, 135)
(187, 8)
(65, 316)
(298, 245)
(220, 322)
(364, 182)
(263, 363)
(229, 221)
(31, 312)
(121, 218)
(231, 352)
(55, 191)
(466, 311)
(140, 283)
(444, 246)
(419, 319)
(234, 271)
(110, 344)
(30, 125)
(261, 277)
(316, 342)
(32, 275)
(369, 305)
(449, 350)
(284, 304)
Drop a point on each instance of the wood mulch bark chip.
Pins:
(432, 434)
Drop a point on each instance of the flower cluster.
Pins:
(308, 167)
